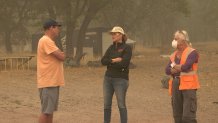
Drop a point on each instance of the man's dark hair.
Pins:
(50, 23)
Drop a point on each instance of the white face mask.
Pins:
(174, 44)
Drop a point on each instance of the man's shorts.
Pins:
(49, 99)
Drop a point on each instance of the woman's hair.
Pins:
(187, 37)
(180, 35)
(183, 35)
(124, 38)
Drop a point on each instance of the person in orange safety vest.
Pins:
(183, 85)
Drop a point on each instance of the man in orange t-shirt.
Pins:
(50, 75)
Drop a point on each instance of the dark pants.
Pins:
(184, 103)
(119, 86)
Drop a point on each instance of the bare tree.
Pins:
(94, 6)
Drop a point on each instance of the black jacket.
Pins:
(120, 69)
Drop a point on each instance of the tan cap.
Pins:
(117, 29)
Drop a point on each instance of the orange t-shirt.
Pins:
(49, 68)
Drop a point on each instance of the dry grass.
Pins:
(81, 100)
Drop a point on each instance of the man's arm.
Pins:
(192, 58)
(169, 70)
(59, 55)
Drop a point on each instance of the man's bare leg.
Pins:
(50, 119)
(46, 118)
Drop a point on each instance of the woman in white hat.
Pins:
(116, 80)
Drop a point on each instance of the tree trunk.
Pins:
(81, 36)
(51, 10)
(71, 20)
(91, 12)
(69, 38)
(8, 44)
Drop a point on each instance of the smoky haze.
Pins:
(150, 22)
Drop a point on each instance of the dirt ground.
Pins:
(81, 100)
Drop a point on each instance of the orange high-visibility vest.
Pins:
(188, 80)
